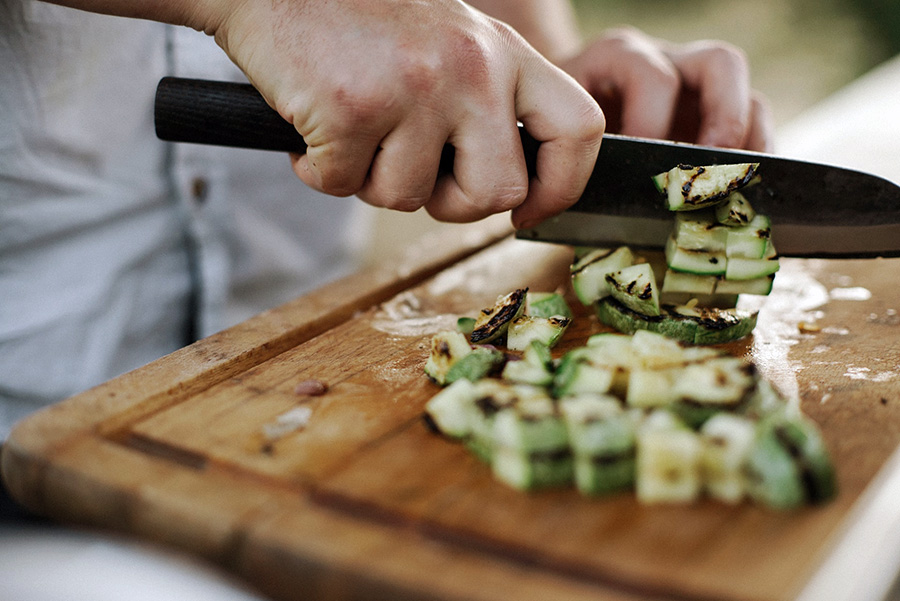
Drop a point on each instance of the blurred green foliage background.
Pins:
(800, 51)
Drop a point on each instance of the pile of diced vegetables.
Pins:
(650, 409)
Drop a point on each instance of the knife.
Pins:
(816, 210)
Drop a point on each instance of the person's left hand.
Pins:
(697, 92)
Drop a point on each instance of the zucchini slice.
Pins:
(668, 464)
(699, 230)
(547, 304)
(446, 411)
(480, 363)
(727, 439)
(494, 321)
(602, 438)
(692, 325)
(525, 329)
(689, 187)
(749, 241)
(535, 367)
(735, 210)
(589, 272)
(635, 287)
(447, 348)
(699, 262)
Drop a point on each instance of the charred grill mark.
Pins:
(733, 185)
(599, 257)
(646, 293)
(612, 458)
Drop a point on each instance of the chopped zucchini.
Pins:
(447, 348)
(668, 465)
(494, 321)
(577, 373)
(734, 210)
(727, 439)
(589, 272)
(535, 366)
(693, 284)
(479, 363)
(530, 471)
(760, 286)
(699, 262)
(602, 438)
(533, 424)
(547, 304)
(465, 325)
(693, 325)
(750, 269)
(689, 188)
(447, 409)
(749, 241)
(525, 329)
(699, 230)
(635, 287)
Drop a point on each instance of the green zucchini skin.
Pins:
(711, 326)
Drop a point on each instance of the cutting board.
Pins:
(364, 502)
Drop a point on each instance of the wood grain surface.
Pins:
(365, 503)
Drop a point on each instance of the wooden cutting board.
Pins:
(365, 503)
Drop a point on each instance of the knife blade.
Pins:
(817, 210)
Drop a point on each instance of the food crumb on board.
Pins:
(311, 387)
(808, 327)
(289, 421)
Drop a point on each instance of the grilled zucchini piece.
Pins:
(726, 439)
(525, 329)
(699, 262)
(589, 272)
(547, 304)
(692, 325)
(689, 187)
(699, 230)
(668, 462)
(578, 373)
(479, 363)
(448, 411)
(734, 210)
(602, 439)
(788, 464)
(494, 321)
(530, 471)
(635, 287)
(535, 367)
(447, 348)
(749, 241)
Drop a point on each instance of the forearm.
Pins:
(548, 25)
(197, 14)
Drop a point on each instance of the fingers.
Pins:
(698, 92)
(570, 125)
(720, 75)
(627, 68)
(489, 174)
(762, 126)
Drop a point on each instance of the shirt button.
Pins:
(199, 189)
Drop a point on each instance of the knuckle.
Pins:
(505, 196)
(724, 55)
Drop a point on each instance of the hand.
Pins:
(377, 88)
(698, 92)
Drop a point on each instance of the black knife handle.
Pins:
(234, 114)
(220, 113)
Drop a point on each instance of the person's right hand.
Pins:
(378, 88)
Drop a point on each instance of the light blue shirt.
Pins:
(116, 248)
